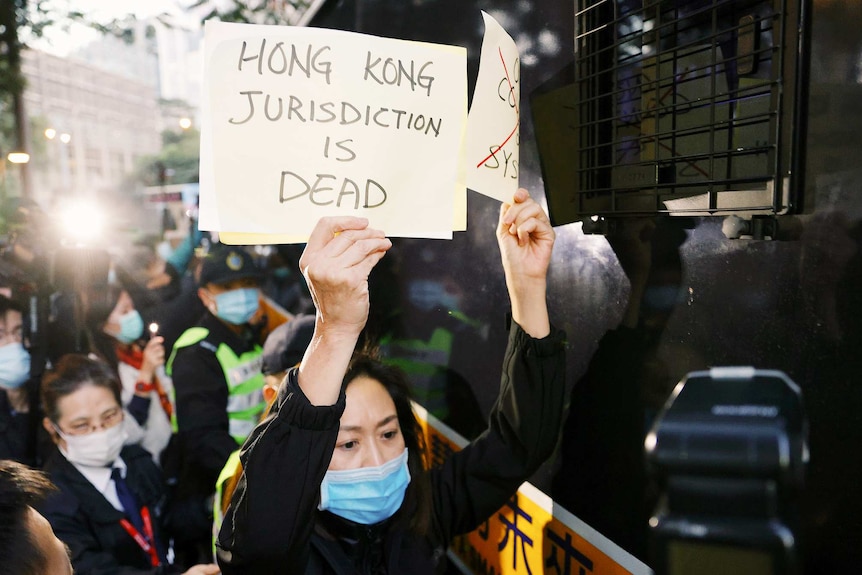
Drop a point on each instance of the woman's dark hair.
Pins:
(99, 300)
(98, 303)
(416, 509)
(72, 372)
(7, 305)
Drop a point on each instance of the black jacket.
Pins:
(85, 521)
(270, 526)
(16, 440)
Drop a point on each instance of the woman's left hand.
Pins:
(526, 238)
(526, 241)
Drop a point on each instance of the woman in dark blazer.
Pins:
(111, 496)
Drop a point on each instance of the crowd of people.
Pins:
(173, 413)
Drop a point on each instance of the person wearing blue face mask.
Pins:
(16, 438)
(116, 333)
(334, 480)
(216, 370)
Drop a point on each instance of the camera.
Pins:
(728, 454)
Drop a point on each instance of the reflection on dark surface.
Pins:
(789, 305)
(601, 476)
(829, 367)
(423, 327)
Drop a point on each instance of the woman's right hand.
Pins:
(336, 262)
(204, 569)
(154, 356)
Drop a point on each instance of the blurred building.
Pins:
(97, 111)
(180, 65)
(164, 52)
(95, 124)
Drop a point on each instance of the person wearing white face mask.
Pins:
(216, 370)
(16, 439)
(334, 481)
(109, 507)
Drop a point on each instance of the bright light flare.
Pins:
(83, 221)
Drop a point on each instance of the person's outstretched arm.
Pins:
(524, 422)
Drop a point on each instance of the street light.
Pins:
(65, 138)
(18, 157)
(13, 157)
(3, 178)
(51, 133)
(185, 123)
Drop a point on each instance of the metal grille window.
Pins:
(682, 107)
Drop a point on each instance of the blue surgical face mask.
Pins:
(131, 327)
(367, 495)
(14, 365)
(237, 306)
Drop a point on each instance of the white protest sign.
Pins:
(300, 123)
(495, 117)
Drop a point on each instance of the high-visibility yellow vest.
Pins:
(243, 377)
(220, 505)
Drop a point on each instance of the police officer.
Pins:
(216, 369)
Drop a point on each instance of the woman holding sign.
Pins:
(334, 477)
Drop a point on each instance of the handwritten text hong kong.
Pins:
(315, 63)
